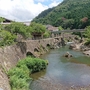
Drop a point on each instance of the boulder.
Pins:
(87, 53)
(72, 46)
(67, 54)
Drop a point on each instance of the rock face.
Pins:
(4, 82)
(67, 54)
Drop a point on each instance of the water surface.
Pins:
(73, 71)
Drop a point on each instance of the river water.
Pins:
(61, 71)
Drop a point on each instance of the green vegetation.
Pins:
(9, 33)
(1, 20)
(60, 28)
(20, 75)
(87, 35)
(68, 14)
(17, 28)
(37, 28)
(46, 34)
(6, 38)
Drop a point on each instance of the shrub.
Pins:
(19, 78)
(6, 38)
(46, 34)
(33, 64)
(20, 75)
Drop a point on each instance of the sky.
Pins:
(24, 10)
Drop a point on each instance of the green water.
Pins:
(73, 71)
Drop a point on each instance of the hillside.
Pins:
(68, 14)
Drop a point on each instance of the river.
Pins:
(61, 71)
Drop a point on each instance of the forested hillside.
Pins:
(68, 14)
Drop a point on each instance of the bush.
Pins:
(20, 75)
(33, 64)
(19, 78)
(46, 34)
(6, 38)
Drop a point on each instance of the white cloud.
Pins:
(22, 10)
(53, 4)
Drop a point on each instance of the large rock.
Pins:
(87, 53)
(72, 46)
(67, 54)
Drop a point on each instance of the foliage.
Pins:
(87, 32)
(46, 34)
(14, 30)
(34, 64)
(19, 78)
(20, 75)
(68, 14)
(37, 28)
(17, 28)
(1, 20)
(60, 28)
(87, 35)
(6, 38)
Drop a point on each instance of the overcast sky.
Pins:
(24, 10)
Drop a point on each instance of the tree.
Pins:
(68, 23)
(17, 28)
(37, 28)
(6, 38)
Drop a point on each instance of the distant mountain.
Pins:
(68, 14)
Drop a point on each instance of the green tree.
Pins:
(6, 38)
(17, 28)
(37, 28)
(72, 10)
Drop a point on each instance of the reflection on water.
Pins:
(63, 71)
(38, 75)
